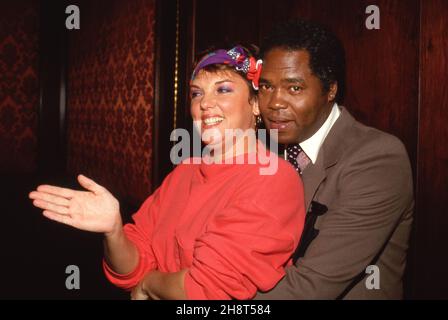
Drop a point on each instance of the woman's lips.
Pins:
(209, 126)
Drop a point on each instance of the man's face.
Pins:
(291, 98)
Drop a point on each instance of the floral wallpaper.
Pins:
(111, 94)
(19, 85)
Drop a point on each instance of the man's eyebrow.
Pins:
(293, 80)
(264, 80)
(287, 80)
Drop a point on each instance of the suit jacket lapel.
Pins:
(328, 156)
(312, 177)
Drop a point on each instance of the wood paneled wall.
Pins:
(430, 257)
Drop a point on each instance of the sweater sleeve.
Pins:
(246, 247)
(139, 233)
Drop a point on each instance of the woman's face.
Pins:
(220, 101)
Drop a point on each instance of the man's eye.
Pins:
(265, 87)
(295, 89)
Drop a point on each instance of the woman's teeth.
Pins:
(212, 121)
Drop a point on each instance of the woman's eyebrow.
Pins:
(221, 81)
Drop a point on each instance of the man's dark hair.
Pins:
(327, 56)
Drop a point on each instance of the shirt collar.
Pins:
(311, 146)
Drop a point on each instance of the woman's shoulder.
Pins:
(286, 168)
(270, 165)
(181, 170)
(270, 174)
(270, 185)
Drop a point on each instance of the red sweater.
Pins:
(234, 229)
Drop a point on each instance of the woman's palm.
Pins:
(94, 210)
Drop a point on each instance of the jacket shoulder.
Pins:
(360, 137)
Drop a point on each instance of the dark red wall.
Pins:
(110, 95)
(19, 85)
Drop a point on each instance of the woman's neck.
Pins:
(231, 149)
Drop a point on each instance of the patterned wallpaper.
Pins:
(110, 95)
(19, 85)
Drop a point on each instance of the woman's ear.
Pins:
(255, 108)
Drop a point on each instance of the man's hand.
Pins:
(157, 285)
(138, 293)
(94, 210)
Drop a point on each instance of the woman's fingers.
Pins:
(57, 217)
(58, 191)
(89, 184)
(51, 207)
(61, 201)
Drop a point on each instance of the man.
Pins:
(357, 180)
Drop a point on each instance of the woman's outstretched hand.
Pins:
(94, 210)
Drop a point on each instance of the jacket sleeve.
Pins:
(247, 246)
(374, 190)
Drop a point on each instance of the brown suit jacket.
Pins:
(363, 177)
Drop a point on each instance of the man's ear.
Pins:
(331, 96)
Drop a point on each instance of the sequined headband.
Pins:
(235, 57)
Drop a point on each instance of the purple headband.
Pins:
(235, 57)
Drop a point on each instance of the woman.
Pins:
(216, 229)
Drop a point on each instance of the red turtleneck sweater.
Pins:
(234, 229)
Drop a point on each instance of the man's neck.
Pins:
(311, 146)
